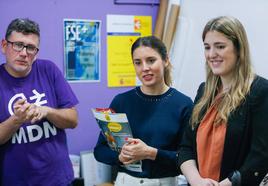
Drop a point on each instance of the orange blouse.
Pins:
(210, 142)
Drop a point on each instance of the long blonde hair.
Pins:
(243, 73)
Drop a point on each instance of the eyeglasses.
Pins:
(19, 46)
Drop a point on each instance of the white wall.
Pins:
(187, 51)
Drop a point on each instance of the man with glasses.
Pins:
(19, 46)
(36, 105)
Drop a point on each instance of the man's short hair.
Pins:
(23, 25)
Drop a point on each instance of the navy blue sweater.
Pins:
(159, 121)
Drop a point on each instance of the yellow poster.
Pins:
(122, 31)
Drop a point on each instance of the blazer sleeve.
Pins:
(187, 149)
(256, 163)
(103, 153)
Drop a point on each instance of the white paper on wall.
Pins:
(75, 159)
(92, 171)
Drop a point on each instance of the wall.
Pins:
(187, 52)
(50, 14)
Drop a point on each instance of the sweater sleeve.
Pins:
(103, 153)
(170, 158)
(167, 158)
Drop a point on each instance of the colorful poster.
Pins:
(82, 50)
(122, 31)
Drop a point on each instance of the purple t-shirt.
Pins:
(36, 154)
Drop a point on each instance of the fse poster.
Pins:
(82, 50)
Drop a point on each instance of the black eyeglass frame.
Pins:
(14, 44)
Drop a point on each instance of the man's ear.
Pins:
(3, 46)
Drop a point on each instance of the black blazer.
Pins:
(246, 141)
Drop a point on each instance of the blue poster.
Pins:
(82, 50)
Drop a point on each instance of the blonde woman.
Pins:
(227, 141)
